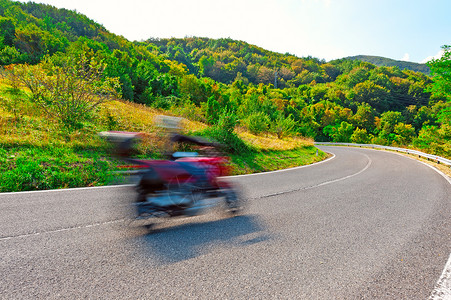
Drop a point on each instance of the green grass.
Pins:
(264, 161)
(29, 168)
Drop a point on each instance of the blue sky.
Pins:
(412, 30)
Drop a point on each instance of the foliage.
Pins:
(441, 71)
(435, 140)
(360, 136)
(340, 133)
(67, 88)
(224, 134)
(404, 133)
(283, 126)
(257, 123)
(441, 74)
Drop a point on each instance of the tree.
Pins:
(30, 40)
(16, 95)
(68, 88)
(340, 133)
(389, 120)
(10, 55)
(441, 87)
(357, 76)
(257, 123)
(360, 136)
(404, 133)
(164, 85)
(265, 75)
(441, 75)
(213, 111)
(344, 132)
(331, 71)
(364, 117)
(7, 31)
(194, 89)
(376, 95)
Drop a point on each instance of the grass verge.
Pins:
(265, 161)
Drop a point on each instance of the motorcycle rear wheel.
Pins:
(234, 203)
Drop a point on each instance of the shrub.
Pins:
(68, 88)
(189, 110)
(283, 126)
(257, 123)
(224, 134)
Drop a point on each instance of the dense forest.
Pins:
(212, 80)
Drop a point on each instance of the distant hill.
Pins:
(388, 62)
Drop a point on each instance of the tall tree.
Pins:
(441, 87)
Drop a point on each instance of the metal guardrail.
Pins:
(435, 158)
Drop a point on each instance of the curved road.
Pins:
(363, 225)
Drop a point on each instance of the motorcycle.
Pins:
(185, 184)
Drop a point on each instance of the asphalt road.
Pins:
(363, 225)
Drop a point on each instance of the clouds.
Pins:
(429, 58)
(406, 57)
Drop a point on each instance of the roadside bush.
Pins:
(380, 141)
(283, 127)
(257, 123)
(224, 134)
(189, 110)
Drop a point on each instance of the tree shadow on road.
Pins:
(178, 243)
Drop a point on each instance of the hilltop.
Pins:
(388, 62)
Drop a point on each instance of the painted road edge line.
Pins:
(442, 290)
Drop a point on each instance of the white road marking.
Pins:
(67, 190)
(442, 290)
(60, 230)
(320, 184)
